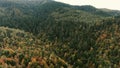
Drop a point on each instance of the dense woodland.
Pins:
(49, 34)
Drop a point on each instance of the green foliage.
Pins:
(11, 62)
(57, 35)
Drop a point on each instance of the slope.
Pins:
(66, 35)
(29, 15)
(22, 50)
(111, 12)
(85, 46)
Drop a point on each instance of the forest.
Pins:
(50, 34)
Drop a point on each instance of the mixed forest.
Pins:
(50, 34)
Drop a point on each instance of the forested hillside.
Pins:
(30, 15)
(49, 34)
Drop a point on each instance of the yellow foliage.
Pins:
(33, 59)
